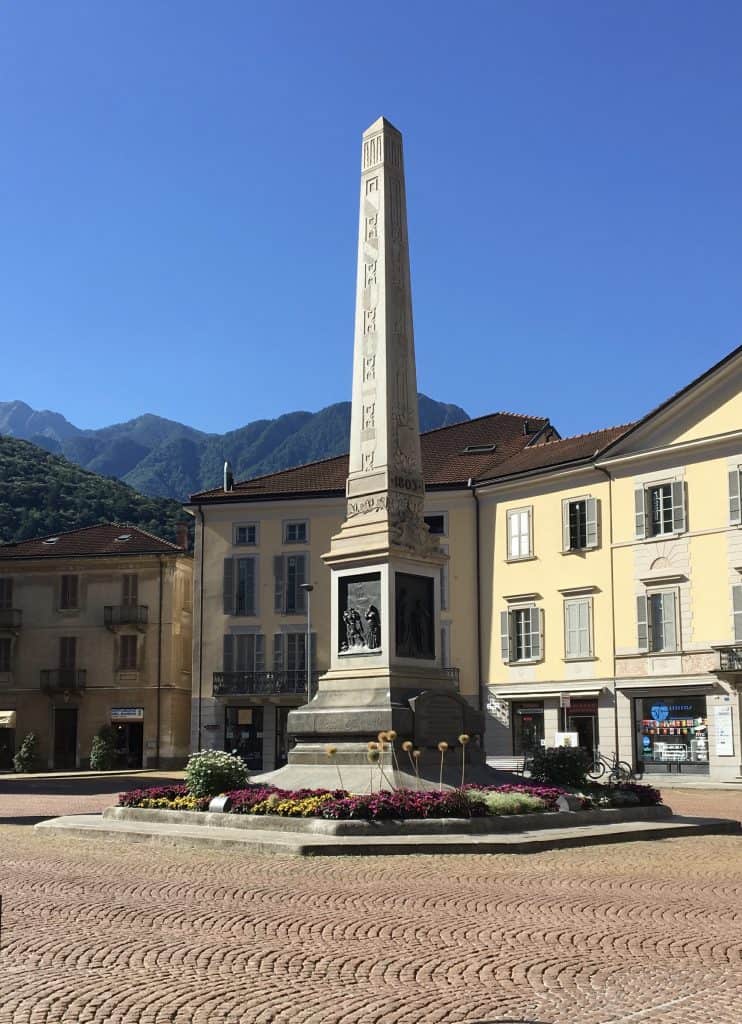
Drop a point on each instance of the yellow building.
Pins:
(95, 630)
(594, 585)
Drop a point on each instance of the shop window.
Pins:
(672, 730)
(528, 726)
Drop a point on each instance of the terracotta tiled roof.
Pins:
(446, 460)
(556, 453)
(106, 539)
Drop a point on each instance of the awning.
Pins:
(680, 683)
(535, 693)
(7, 719)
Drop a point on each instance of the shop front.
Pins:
(582, 719)
(7, 740)
(243, 734)
(128, 729)
(528, 726)
(672, 734)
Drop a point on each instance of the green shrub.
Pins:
(560, 766)
(211, 772)
(507, 803)
(103, 750)
(25, 759)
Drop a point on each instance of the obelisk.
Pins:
(386, 671)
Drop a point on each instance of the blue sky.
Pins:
(180, 185)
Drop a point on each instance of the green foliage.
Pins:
(103, 750)
(211, 772)
(41, 493)
(506, 803)
(560, 766)
(25, 759)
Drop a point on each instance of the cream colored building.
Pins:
(594, 585)
(95, 630)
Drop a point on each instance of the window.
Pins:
(130, 590)
(69, 592)
(6, 592)
(522, 631)
(240, 586)
(295, 532)
(289, 653)
(735, 505)
(656, 616)
(437, 524)
(128, 652)
(578, 628)
(4, 654)
(737, 612)
(660, 509)
(579, 524)
(246, 533)
(290, 572)
(244, 652)
(519, 533)
(67, 652)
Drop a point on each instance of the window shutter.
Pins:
(313, 645)
(228, 589)
(278, 583)
(642, 624)
(505, 636)
(250, 595)
(591, 517)
(228, 653)
(301, 577)
(735, 506)
(640, 513)
(669, 621)
(566, 546)
(678, 506)
(737, 606)
(277, 652)
(444, 579)
(537, 632)
(569, 629)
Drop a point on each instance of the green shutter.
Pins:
(737, 606)
(642, 624)
(228, 588)
(735, 506)
(505, 646)
(678, 506)
(591, 516)
(640, 513)
(228, 653)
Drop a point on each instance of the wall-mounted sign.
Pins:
(565, 699)
(127, 714)
(724, 732)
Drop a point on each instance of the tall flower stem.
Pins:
(463, 740)
(443, 747)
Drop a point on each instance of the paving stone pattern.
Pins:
(106, 932)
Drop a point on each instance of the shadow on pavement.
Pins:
(95, 785)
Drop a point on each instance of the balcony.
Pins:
(63, 680)
(730, 659)
(11, 618)
(292, 681)
(125, 615)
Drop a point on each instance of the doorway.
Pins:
(7, 749)
(528, 727)
(587, 733)
(243, 735)
(65, 737)
(129, 744)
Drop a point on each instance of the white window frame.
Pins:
(236, 527)
(735, 496)
(650, 623)
(526, 510)
(643, 509)
(587, 602)
(592, 523)
(288, 524)
(512, 614)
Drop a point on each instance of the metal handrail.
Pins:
(125, 615)
(287, 681)
(55, 680)
(730, 659)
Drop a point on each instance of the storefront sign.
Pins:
(127, 714)
(565, 699)
(724, 734)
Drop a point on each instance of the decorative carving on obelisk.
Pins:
(385, 487)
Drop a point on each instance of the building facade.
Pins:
(95, 630)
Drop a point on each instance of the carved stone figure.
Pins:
(374, 627)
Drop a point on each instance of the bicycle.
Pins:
(618, 771)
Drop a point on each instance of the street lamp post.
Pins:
(308, 588)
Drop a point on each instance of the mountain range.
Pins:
(165, 459)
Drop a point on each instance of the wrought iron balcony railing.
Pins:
(10, 618)
(61, 680)
(730, 659)
(125, 615)
(289, 681)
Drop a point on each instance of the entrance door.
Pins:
(243, 734)
(528, 727)
(282, 739)
(7, 749)
(65, 737)
(129, 744)
(584, 726)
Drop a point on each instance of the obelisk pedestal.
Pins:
(386, 671)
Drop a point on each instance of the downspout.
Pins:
(199, 744)
(613, 602)
(470, 484)
(159, 668)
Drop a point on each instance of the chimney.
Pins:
(228, 477)
(182, 538)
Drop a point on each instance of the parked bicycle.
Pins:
(617, 771)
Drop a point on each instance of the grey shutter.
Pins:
(228, 588)
(569, 629)
(301, 577)
(640, 513)
(313, 647)
(737, 606)
(277, 652)
(669, 621)
(735, 506)
(505, 647)
(250, 584)
(259, 652)
(278, 583)
(228, 653)
(642, 623)
(678, 506)
(537, 632)
(591, 517)
(566, 546)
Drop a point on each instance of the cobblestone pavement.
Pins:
(625, 934)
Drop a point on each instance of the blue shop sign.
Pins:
(659, 711)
